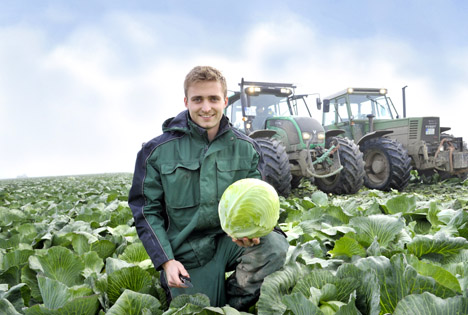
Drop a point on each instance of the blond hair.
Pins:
(204, 73)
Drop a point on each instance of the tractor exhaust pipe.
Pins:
(404, 101)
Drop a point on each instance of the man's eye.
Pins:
(196, 99)
(214, 99)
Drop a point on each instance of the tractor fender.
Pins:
(333, 133)
(263, 133)
(374, 134)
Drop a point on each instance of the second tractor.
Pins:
(392, 145)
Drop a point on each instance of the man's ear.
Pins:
(186, 102)
(226, 100)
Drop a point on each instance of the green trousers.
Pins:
(250, 265)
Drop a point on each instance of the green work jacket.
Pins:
(178, 181)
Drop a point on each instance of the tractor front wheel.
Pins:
(276, 169)
(387, 164)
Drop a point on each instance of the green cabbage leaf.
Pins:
(249, 208)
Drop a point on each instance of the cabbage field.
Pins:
(68, 246)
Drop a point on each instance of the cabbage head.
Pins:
(249, 208)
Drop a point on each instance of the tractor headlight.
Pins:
(318, 137)
(350, 90)
(383, 91)
(285, 91)
(253, 89)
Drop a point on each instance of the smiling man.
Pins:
(179, 179)
(205, 101)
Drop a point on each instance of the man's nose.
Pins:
(206, 107)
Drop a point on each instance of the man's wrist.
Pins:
(166, 263)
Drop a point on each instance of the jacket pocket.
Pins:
(181, 184)
(230, 171)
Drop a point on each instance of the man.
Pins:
(179, 179)
(262, 113)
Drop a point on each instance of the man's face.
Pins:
(205, 102)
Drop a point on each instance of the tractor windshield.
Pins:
(260, 107)
(362, 105)
(263, 103)
(263, 106)
(275, 105)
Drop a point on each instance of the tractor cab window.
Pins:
(376, 105)
(299, 108)
(263, 106)
(382, 109)
(329, 117)
(342, 110)
(234, 112)
(361, 110)
(338, 112)
(271, 104)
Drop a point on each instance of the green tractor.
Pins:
(393, 146)
(293, 144)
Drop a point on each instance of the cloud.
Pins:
(328, 65)
(85, 101)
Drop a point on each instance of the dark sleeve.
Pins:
(258, 163)
(146, 199)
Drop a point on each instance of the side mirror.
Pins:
(326, 106)
(319, 103)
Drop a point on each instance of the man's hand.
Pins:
(174, 269)
(246, 242)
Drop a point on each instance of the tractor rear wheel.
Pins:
(276, 170)
(387, 164)
(350, 179)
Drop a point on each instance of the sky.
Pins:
(84, 83)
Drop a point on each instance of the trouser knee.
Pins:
(255, 264)
(261, 260)
(275, 248)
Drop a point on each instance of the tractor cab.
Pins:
(363, 103)
(257, 102)
(356, 110)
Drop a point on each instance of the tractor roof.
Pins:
(267, 84)
(379, 91)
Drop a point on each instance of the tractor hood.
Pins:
(308, 124)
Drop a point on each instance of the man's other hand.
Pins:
(174, 269)
(246, 242)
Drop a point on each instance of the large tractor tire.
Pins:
(386, 163)
(276, 171)
(351, 178)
